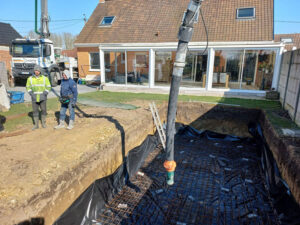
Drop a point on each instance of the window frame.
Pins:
(107, 25)
(246, 17)
(90, 65)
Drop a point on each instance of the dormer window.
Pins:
(287, 40)
(245, 13)
(107, 21)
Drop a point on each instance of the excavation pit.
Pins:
(56, 173)
(219, 179)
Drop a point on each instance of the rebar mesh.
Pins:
(216, 182)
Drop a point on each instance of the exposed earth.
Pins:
(42, 172)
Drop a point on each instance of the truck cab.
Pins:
(26, 53)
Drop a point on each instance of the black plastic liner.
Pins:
(283, 201)
(88, 206)
(212, 185)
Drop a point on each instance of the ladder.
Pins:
(158, 124)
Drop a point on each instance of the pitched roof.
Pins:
(295, 37)
(7, 34)
(152, 21)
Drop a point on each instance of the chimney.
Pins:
(101, 1)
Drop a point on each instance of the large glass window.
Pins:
(243, 69)
(194, 72)
(114, 68)
(163, 67)
(138, 68)
(265, 69)
(94, 61)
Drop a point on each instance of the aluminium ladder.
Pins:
(158, 124)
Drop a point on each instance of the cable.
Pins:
(66, 25)
(32, 21)
(286, 21)
(203, 21)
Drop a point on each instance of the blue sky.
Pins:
(67, 15)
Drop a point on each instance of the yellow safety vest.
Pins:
(37, 85)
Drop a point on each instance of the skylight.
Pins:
(107, 21)
(287, 40)
(245, 13)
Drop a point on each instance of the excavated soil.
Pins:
(44, 171)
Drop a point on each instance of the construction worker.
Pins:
(68, 99)
(38, 86)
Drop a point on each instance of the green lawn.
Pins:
(127, 97)
(122, 97)
(13, 123)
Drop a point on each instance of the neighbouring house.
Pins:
(7, 34)
(134, 42)
(70, 53)
(291, 41)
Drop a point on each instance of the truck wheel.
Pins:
(54, 77)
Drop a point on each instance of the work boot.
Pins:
(71, 125)
(60, 125)
(36, 123)
(44, 121)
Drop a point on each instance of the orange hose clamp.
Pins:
(170, 166)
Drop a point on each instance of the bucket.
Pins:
(16, 97)
(81, 81)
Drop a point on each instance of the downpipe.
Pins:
(184, 37)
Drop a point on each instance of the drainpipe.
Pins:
(36, 12)
(184, 36)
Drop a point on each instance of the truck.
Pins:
(66, 62)
(26, 53)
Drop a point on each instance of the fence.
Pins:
(289, 84)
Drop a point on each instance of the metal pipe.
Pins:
(36, 12)
(184, 36)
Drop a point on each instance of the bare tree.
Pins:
(64, 40)
(57, 40)
(68, 39)
(32, 35)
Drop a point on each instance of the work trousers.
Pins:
(37, 105)
(63, 111)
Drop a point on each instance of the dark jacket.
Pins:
(69, 88)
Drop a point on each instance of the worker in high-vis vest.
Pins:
(38, 86)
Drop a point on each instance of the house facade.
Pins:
(7, 34)
(134, 42)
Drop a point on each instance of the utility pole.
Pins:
(184, 36)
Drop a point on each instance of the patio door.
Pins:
(115, 67)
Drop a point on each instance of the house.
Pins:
(134, 42)
(7, 34)
(291, 41)
(70, 53)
